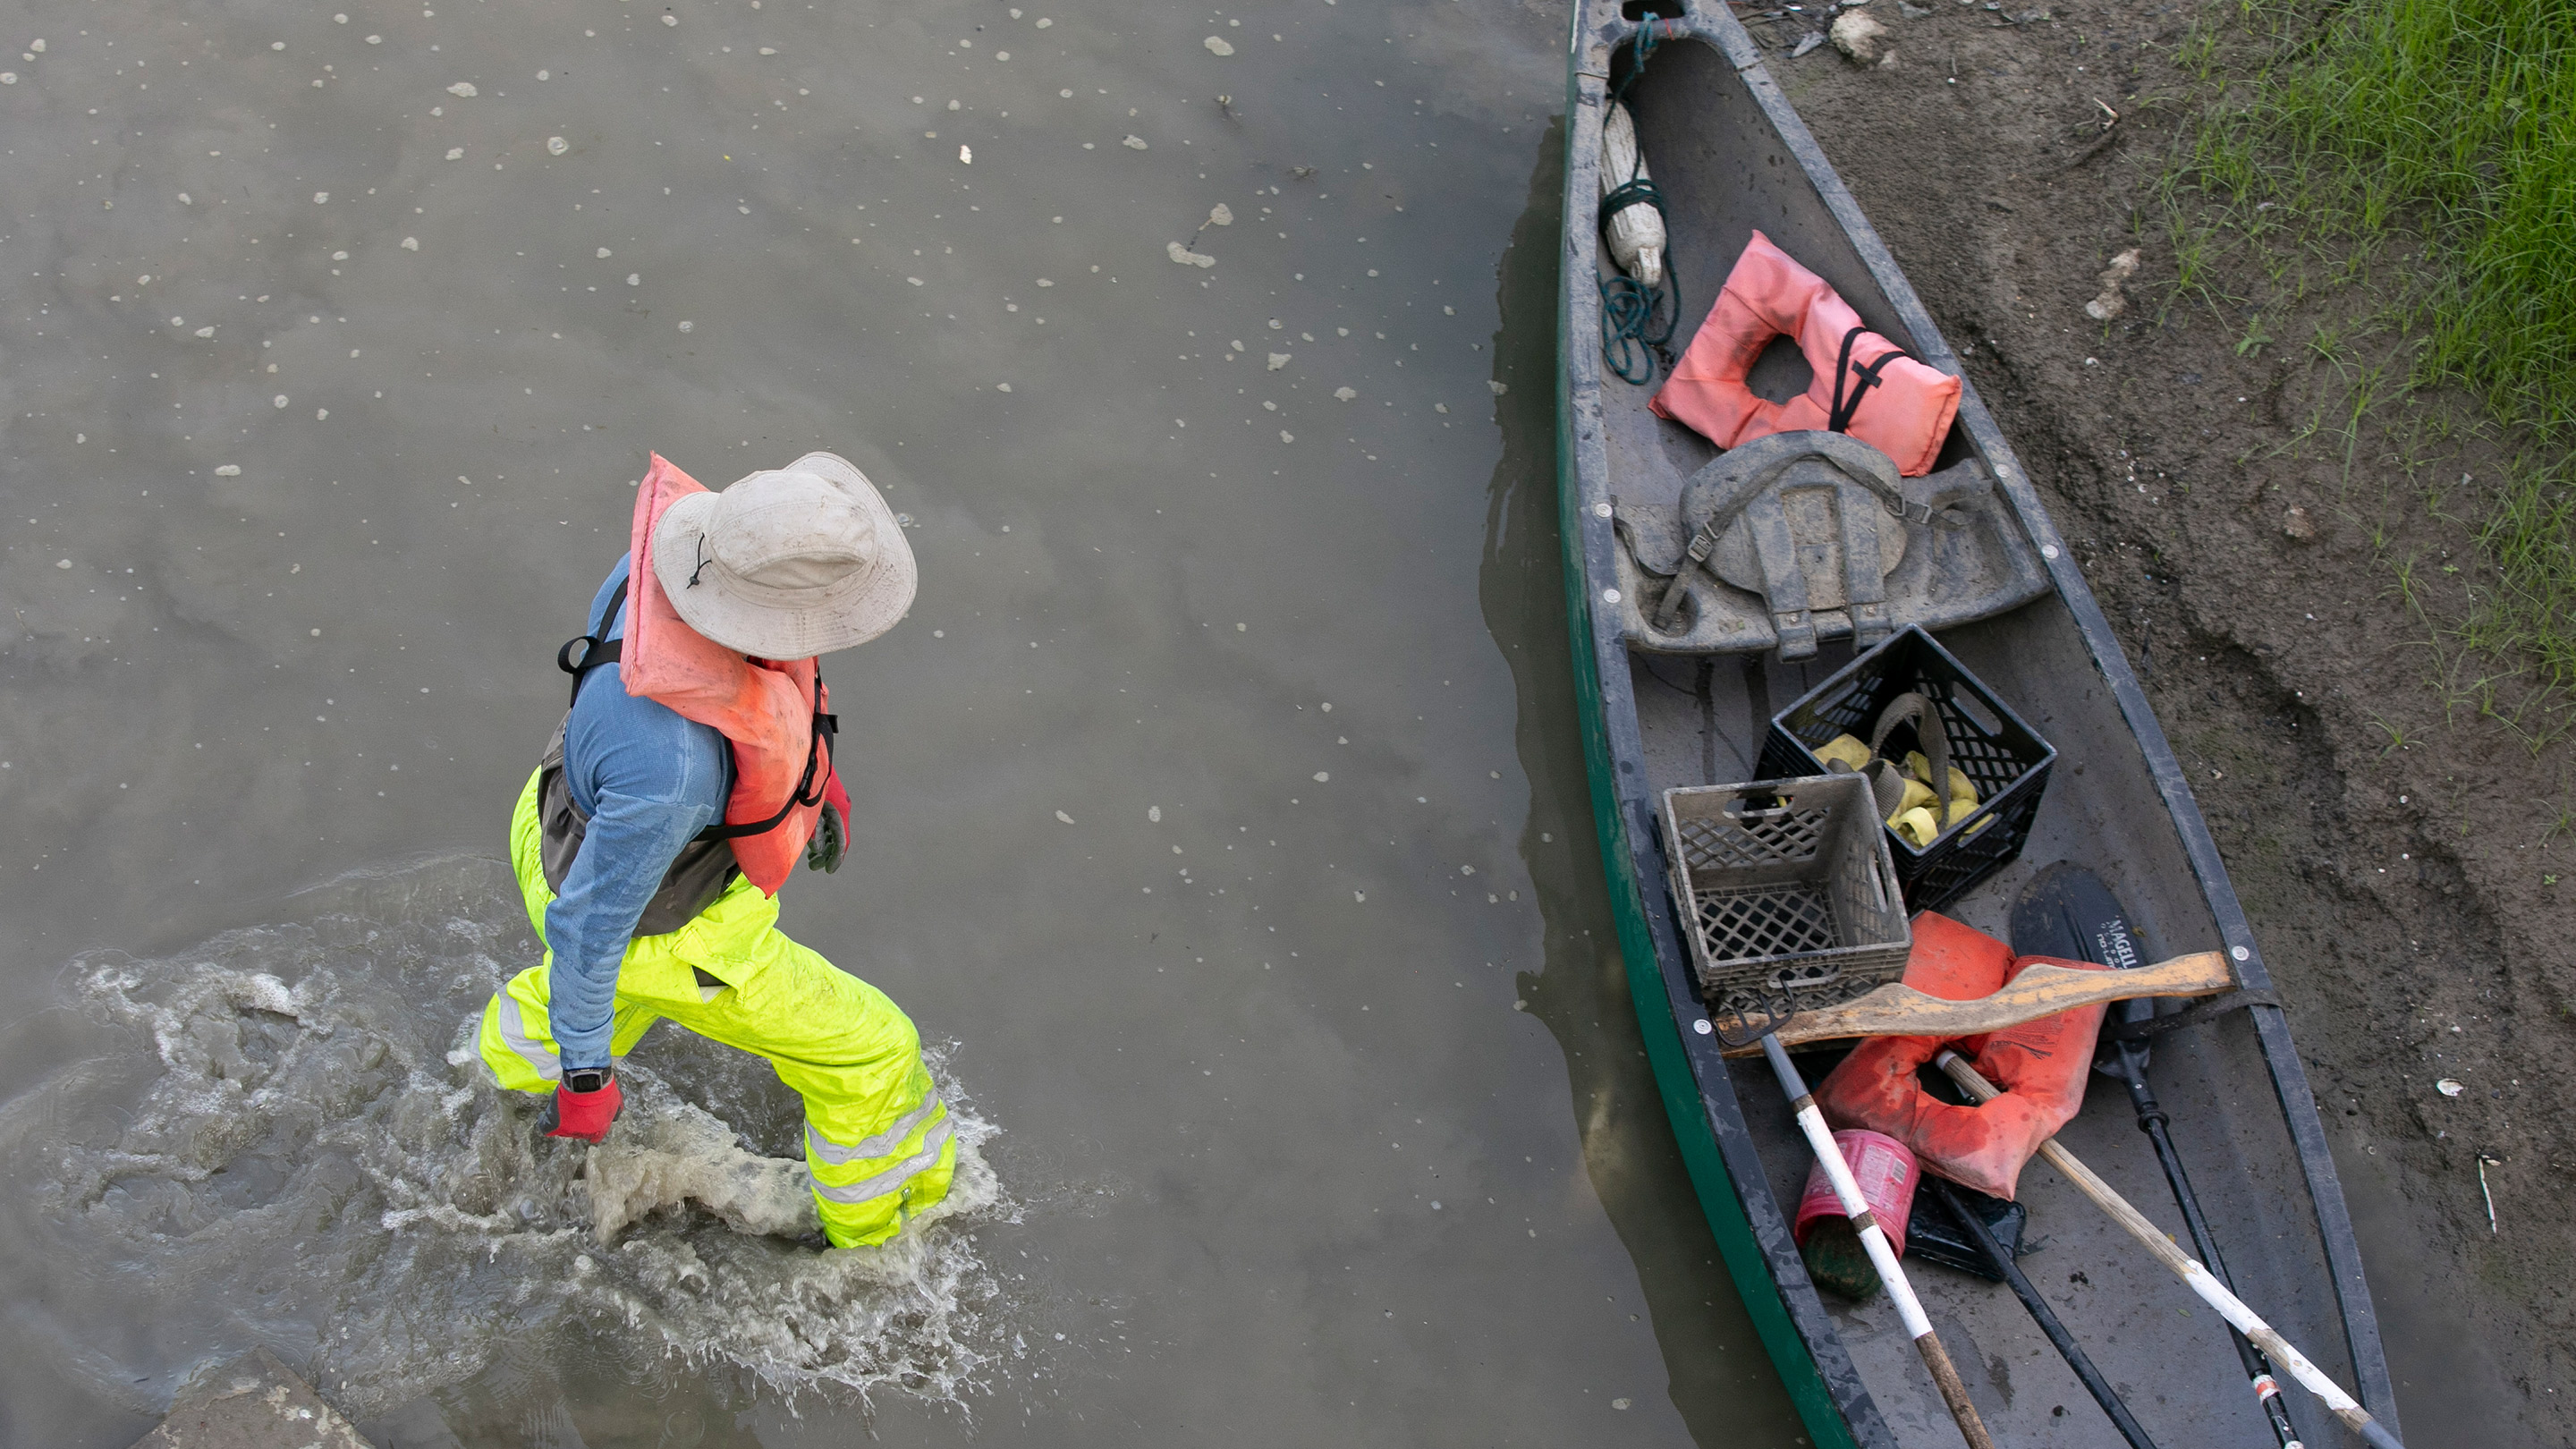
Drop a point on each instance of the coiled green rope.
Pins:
(1637, 320)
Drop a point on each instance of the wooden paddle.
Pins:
(2211, 1291)
(2042, 990)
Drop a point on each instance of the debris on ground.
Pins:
(1865, 40)
(2113, 300)
(2297, 524)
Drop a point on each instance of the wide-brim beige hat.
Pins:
(787, 563)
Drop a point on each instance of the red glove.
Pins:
(584, 1105)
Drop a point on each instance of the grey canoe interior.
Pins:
(1731, 157)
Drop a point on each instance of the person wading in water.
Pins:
(692, 770)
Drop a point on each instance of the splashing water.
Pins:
(283, 1136)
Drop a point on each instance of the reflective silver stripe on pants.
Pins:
(819, 1146)
(514, 1030)
(893, 1177)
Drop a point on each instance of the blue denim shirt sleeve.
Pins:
(649, 780)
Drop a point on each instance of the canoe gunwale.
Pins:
(1623, 806)
(1793, 1322)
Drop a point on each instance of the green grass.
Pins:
(2422, 153)
(2529, 536)
(2459, 117)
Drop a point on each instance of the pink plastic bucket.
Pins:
(1886, 1170)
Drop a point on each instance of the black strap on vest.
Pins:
(596, 651)
(1839, 418)
(808, 791)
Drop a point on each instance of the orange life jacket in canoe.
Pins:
(776, 717)
(1865, 385)
(2040, 1065)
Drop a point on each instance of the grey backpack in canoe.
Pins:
(1797, 538)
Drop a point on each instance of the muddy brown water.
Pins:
(1220, 816)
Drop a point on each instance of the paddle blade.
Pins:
(2068, 912)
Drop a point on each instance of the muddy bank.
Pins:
(2402, 867)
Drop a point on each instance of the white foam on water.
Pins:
(283, 1135)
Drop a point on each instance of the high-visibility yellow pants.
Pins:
(877, 1138)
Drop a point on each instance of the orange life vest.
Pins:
(1865, 385)
(777, 717)
(2041, 1066)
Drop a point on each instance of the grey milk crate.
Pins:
(1785, 883)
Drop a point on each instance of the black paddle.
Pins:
(2001, 1263)
(2070, 914)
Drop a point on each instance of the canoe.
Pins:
(1731, 157)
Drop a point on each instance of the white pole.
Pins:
(2202, 1282)
(1873, 1239)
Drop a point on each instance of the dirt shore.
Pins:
(2400, 865)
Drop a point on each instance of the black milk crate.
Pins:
(1785, 883)
(2004, 756)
